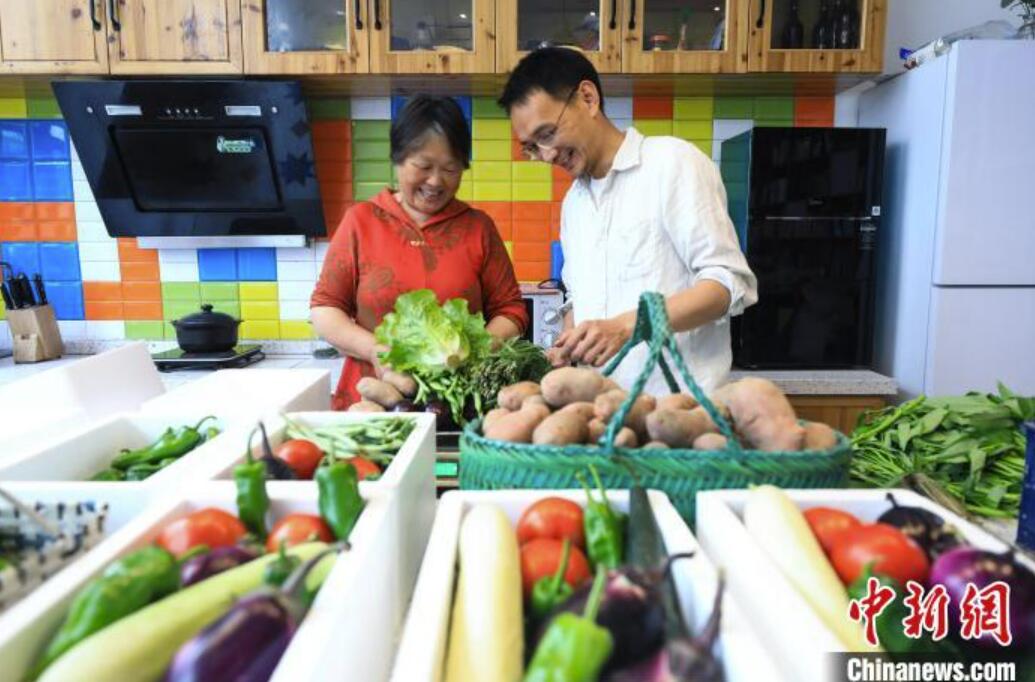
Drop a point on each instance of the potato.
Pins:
(710, 441)
(584, 410)
(514, 395)
(677, 428)
(677, 401)
(607, 404)
(626, 438)
(561, 428)
(403, 383)
(762, 414)
(517, 427)
(610, 385)
(596, 430)
(819, 436)
(655, 445)
(380, 392)
(492, 416)
(365, 406)
(571, 385)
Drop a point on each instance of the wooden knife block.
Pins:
(35, 333)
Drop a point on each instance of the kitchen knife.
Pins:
(41, 293)
(22, 290)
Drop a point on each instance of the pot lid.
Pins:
(206, 319)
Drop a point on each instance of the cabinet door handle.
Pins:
(377, 15)
(632, 15)
(93, 15)
(114, 13)
(761, 15)
(614, 15)
(359, 19)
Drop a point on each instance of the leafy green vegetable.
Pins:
(961, 449)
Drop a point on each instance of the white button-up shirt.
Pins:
(659, 223)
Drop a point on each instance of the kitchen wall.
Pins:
(104, 288)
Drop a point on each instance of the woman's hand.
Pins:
(374, 360)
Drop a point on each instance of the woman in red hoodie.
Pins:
(417, 236)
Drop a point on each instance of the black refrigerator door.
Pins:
(815, 291)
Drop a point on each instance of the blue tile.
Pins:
(60, 261)
(23, 257)
(15, 181)
(217, 265)
(465, 102)
(52, 180)
(556, 260)
(398, 102)
(66, 298)
(49, 140)
(14, 140)
(257, 265)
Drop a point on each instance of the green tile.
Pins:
(144, 330)
(693, 108)
(766, 123)
(372, 171)
(169, 331)
(181, 291)
(530, 171)
(256, 311)
(371, 130)
(219, 291)
(774, 108)
(42, 107)
(174, 310)
(328, 108)
(653, 126)
(491, 129)
(492, 171)
(734, 107)
(371, 150)
(231, 308)
(362, 191)
(532, 191)
(693, 130)
(491, 150)
(492, 191)
(486, 107)
(258, 291)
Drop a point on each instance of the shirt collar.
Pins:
(385, 200)
(627, 156)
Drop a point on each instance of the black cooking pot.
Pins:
(206, 332)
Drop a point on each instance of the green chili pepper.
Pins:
(109, 475)
(340, 502)
(211, 432)
(252, 500)
(139, 472)
(278, 570)
(551, 591)
(127, 585)
(574, 648)
(172, 443)
(605, 527)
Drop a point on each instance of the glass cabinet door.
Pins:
(432, 36)
(683, 36)
(817, 35)
(590, 26)
(305, 36)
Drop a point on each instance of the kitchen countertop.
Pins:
(826, 382)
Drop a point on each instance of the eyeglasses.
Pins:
(546, 138)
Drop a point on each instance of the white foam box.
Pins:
(422, 650)
(248, 394)
(347, 634)
(83, 453)
(797, 639)
(124, 502)
(411, 474)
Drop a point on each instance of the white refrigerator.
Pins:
(955, 307)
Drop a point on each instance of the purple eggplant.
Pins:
(924, 527)
(246, 643)
(405, 405)
(206, 565)
(443, 415)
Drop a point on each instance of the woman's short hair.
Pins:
(424, 115)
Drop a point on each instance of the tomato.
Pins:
(552, 517)
(210, 526)
(829, 524)
(294, 529)
(364, 467)
(886, 547)
(542, 557)
(303, 456)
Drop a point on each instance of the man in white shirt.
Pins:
(644, 214)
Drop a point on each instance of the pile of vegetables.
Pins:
(962, 450)
(576, 593)
(137, 465)
(574, 405)
(216, 596)
(828, 555)
(443, 359)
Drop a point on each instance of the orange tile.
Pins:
(531, 210)
(531, 271)
(129, 252)
(814, 108)
(555, 212)
(333, 151)
(515, 150)
(140, 272)
(142, 310)
(334, 171)
(555, 231)
(652, 107)
(559, 189)
(336, 191)
(505, 228)
(141, 291)
(526, 231)
(333, 213)
(102, 291)
(55, 210)
(18, 231)
(814, 123)
(559, 174)
(104, 310)
(336, 131)
(16, 210)
(499, 211)
(57, 231)
(532, 251)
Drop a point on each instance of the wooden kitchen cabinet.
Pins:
(851, 38)
(839, 411)
(432, 36)
(594, 27)
(306, 36)
(684, 36)
(53, 36)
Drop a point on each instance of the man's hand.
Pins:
(594, 342)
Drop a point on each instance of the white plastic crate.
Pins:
(422, 650)
(794, 635)
(124, 502)
(347, 634)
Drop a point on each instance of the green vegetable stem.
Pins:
(551, 591)
(281, 568)
(604, 527)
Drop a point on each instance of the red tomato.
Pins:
(542, 557)
(829, 524)
(364, 467)
(211, 527)
(552, 517)
(303, 456)
(295, 529)
(886, 547)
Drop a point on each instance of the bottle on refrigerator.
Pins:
(823, 31)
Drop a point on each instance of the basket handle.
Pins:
(652, 326)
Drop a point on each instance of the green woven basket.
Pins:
(493, 465)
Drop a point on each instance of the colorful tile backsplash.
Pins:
(104, 288)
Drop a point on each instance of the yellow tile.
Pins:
(12, 89)
(653, 126)
(260, 310)
(491, 150)
(258, 291)
(532, 191)
(693, 130)
(510, 248)
(13, 107)
(296, 329)
(491, 171)
(492, 191)
(466, 191)
(260, 330)
(530, 171)
(704, 145)
(491, 129)
(693, 108)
